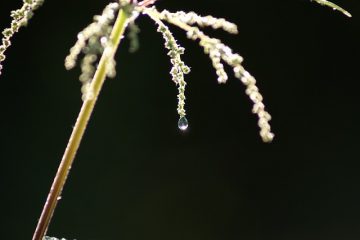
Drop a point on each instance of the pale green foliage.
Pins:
(20, 18)
(333, 6)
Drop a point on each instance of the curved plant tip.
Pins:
(333, 6)
(20, 18)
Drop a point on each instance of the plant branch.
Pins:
(80, 126)
(333, 6)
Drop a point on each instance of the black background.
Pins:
(137, 177)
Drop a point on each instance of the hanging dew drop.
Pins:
(183, 123)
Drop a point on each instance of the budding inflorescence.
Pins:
(133, 37)
(95, 40)
(219, 53)
(20, 18)
(179, 68)
(192, 18)
(92, 41)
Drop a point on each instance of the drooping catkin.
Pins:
(91, 42)
(218, 53)
(179, 68)
(20, 18)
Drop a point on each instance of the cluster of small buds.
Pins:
(179, 68)
(192, 18)
(91, 42)
(133, 37)
(20, 18)
(111, 68)
(93, 36)
(213, 48)
(219, 52)
(255, 96)
(215, 56)
(87, 72)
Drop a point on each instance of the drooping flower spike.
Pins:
(218, 52)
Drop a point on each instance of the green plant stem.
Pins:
(80, 126)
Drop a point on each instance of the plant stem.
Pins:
(80, 126)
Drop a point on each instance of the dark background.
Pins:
(137, 177)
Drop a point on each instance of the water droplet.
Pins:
(183, 123)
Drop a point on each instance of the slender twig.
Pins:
(80, 126)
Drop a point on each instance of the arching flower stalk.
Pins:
(178, 70)
(218, 53)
